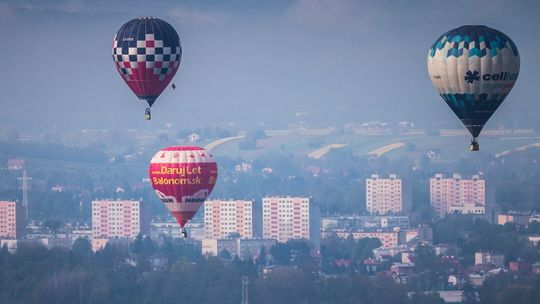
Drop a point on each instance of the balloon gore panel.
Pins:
(147, 53)
(473, 68)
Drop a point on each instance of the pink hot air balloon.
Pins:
(183, 177)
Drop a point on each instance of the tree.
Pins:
(492, 286)
(108, 257)
(53, 225)
(149, 247)
(469, 294)
(261, 259)
(225, 254)
(363, 248)
(167, 249)
(517, 294)
(137, 245)
(4, 251)
(82, 251)
(425, 258)
(276, 288)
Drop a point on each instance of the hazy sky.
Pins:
(338, 60)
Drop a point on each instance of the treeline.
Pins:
(51, 151)
(478, 235)
(115, 275)
(173, 271)
(506, 288)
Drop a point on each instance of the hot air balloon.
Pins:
(473, 68)
(147, 53)
(182, 178)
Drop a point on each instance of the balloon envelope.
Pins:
(147, 53)
(182, 178)
(473, 68)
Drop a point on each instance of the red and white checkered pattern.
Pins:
(149, 54)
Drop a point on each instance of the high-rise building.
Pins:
(385, 195)
(286, 218)
(8, 220)
(451, 195)
(223, 218)
(118, 219)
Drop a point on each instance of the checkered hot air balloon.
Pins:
(473, 68)
(147, 53)
(182, 178)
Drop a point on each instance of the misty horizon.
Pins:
(247, 63)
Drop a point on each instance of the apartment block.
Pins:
(225, 217)
(386, 195)
(286, 218)
(457, 195)
(118, 219)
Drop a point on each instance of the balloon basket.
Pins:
(474, 147)
(147, 114)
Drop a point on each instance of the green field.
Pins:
(452, 144)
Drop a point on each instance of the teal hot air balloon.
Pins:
(473, 68)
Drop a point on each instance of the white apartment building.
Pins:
(116, 219)
(384, 195)
(286, 218)
(223, 217)
(455, 194)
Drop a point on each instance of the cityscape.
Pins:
(272, 231)
(269, 152)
